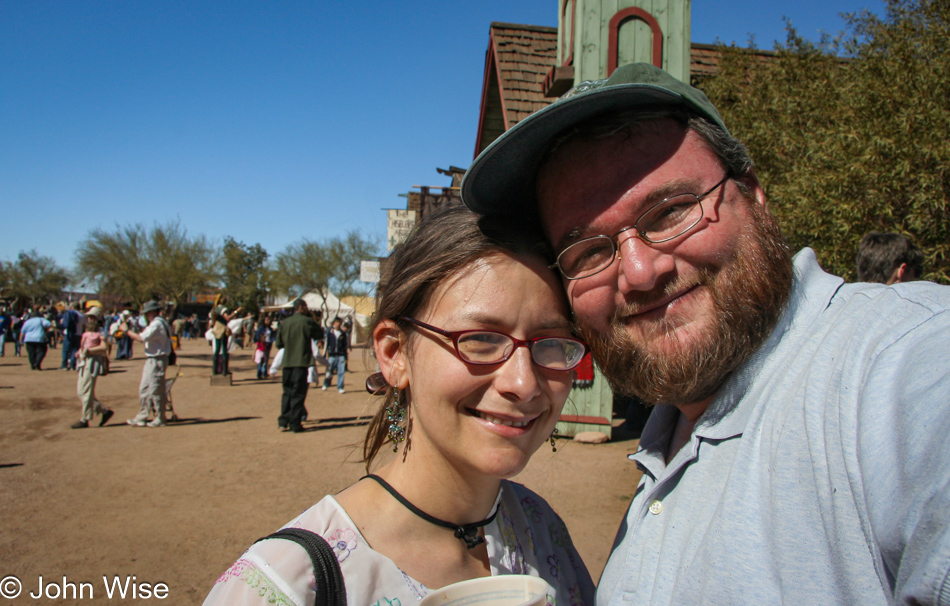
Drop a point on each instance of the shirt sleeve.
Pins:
(905, 462)
(150, 330)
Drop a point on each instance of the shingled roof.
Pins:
(703, 61)
(518, 59)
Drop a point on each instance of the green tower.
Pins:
(595, 36)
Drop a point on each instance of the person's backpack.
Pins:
(172, 356)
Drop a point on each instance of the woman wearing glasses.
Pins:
(473, 339)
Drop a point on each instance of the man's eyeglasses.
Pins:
(668, 219)
(492, 347)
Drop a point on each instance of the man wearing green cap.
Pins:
(797, 451)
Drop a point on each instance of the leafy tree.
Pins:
(849, 134)
(139, 264)
(33, 279)
(331, 265)
(246, 275)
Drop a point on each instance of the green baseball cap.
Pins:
(501, 179)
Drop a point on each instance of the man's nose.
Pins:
(641, 266)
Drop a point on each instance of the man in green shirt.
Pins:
(294, 336)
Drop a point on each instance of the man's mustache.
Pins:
(635, 303)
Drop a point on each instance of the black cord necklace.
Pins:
(465, 532)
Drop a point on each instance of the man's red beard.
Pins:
(749, 294)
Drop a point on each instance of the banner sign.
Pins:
(369, 271)
(401, 223)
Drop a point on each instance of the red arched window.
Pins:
(614, 33)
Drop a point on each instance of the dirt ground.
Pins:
(178, 505)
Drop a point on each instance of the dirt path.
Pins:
(178, 505)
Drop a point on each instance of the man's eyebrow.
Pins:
(671, 188)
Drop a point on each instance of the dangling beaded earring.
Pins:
(395, 414)
(553, 435)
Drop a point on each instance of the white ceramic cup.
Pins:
(502, 590)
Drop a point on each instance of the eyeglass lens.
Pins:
(490, 347)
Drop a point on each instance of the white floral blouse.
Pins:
(526, 537)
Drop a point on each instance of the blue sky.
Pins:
(267, 121)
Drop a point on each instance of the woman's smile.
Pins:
(495, 419)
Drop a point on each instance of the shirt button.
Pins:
(656, 507)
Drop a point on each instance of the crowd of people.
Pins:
(91, 339)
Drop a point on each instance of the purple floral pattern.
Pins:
(555, 565)
(531, 509)
(343, 542)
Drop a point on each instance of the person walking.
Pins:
(156, 339)
(53, 318)
(336, 352)
(73, 323)
(16, 325)
(121, 334)
(4, 329)
(265, 341)
(92, 362)
(35, 334)
(295, 335)
(220, 316)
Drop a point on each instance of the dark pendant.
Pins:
(470, 536)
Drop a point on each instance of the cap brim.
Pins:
(501, 179)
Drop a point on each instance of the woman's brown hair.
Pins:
(435, 251)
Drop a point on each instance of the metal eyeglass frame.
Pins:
(528, 343)
(642, 234)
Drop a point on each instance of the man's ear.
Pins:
(899, 275)
(390, 345)
(752, 182)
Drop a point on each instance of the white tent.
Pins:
(331, 305)
(333, 308)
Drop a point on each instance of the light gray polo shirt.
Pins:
(820, 474)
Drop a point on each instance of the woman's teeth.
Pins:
(497, 421)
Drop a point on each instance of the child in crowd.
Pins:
(260, 358)
(92, 361)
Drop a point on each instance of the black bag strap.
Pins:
(330, 588)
